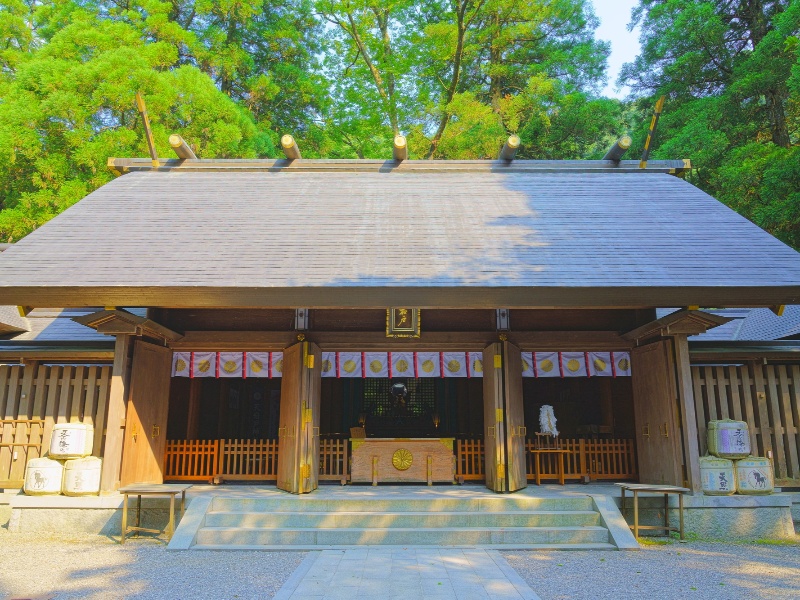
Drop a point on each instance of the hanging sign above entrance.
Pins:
(402, 322)
(400, 364)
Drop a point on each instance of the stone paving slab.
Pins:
(421, 573)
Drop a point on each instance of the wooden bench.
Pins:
(636, 488)
(139, 490)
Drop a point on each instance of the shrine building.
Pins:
(368, 321)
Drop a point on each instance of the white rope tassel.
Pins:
(547, 420)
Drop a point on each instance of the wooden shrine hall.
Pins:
(368, 321)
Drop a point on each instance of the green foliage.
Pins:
(731, 74)
(345, 76)
(68, 108)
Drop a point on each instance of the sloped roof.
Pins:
(450, 239)
(755, 325)
(11, 321)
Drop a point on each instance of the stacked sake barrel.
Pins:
(731, 468)
(68, 467)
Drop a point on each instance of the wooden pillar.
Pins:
(606, 403)
(115, 420)
(193, 413)
(691, 448)
(298, 448)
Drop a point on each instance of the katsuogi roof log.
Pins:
(399, 148)
(510, 148)
(290, 147)
(181, 148)
(618, 149)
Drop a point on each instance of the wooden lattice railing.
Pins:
(248, 460)
(257, 460)
(334, 461)
(469, 460)
(595, 459)
(244, 460)
(191, 460)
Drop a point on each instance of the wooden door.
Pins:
(658, 442)
(503, 418)
(514, 419)
(298, 432)
(146, 415)
(493, 427)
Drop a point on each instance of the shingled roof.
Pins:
(382, 237)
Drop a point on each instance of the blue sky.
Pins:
(614, 17)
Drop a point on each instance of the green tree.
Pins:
(729, 70)
(70, 106)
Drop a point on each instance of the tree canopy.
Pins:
(731, 74)
(345, 76)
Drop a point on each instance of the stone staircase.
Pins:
(309, 522)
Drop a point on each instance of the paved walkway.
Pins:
(405, 573)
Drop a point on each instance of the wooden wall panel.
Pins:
(766, 397)
(146, 416)
(374, 320)
(33, 398)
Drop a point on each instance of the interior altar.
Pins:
(396, 460)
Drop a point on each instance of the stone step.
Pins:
(331, 505)
(406, 519)
(406, 546)
(442, 536)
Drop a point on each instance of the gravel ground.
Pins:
(98, 567)
(671, 571)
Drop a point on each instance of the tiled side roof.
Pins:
(11, 321)
(755, 325)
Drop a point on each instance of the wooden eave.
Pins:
(121, 166)
(682, 322)
(726, 352)
(60, 355)
(171, 296)
(117, 322)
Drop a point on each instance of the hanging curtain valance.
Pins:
(400, 364)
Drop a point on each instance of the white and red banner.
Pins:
(400, 364)
(429, 364)
(181, 361)
(349, 364)
(546, 364)
(455, 364)
(475, 364)
(231, 364)
(204, 364)
(329, 364)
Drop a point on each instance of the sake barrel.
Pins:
(43, 476)
(728, 439)
(82, 476)
(717, 476)
(754, 476)
(71, 440)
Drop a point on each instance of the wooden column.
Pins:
(504, 419)
(606, 403)
(193, 412)
(115, 420)
(298, 434)
(691, 449)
